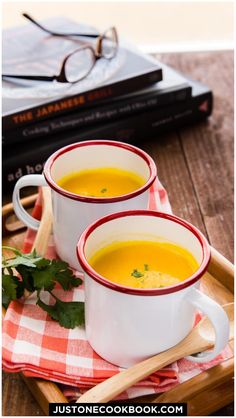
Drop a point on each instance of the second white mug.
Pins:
(126, 325)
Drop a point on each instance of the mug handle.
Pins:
(219, 320)
(21, 213)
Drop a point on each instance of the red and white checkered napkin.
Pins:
(37, 346)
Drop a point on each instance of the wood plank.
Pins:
(206, 402)
(208, 147)
(173, 173)
(17, 399)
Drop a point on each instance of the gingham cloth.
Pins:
(37, 346)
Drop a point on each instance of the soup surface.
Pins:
(101, 182)
(144, 264)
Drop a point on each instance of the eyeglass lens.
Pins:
(79, 64)
(109, 43)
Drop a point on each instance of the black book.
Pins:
(135, 129)
(28, 50)
(173, 88)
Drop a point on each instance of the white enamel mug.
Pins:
(125, 325)
(72, 213)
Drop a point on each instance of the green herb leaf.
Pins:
(51, 271)
(29, 259)
(9, 286)
(103, 190)
(42, 263)
(64, 275)
(5, 300)
(24, 261)
(146, 268)
(39, 273)
(26, 275)
(136, 273)
(43, 279)
(12, 289)
(68, 314)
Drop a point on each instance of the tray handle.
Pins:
(222, 269)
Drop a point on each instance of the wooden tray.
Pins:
(205, 393)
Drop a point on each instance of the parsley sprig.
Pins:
(40, 274)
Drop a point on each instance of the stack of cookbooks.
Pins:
(129, 98)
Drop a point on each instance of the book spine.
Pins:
(30, 160)
(82, 100)
(111, 111)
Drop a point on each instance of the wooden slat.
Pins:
(173, 173)
(44, 392)
(210, 401)
(222, 269)
(45, 227)
(216, 290)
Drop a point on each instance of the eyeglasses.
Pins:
(79, 63)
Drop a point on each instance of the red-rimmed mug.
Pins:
(72, 213)
(125, 325)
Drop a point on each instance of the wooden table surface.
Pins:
(195, 164)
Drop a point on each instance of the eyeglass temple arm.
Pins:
(57, 33)
(31, 77)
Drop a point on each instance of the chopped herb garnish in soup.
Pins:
(136, 273)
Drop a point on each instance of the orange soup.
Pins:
(144, 264)
(101, 182)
